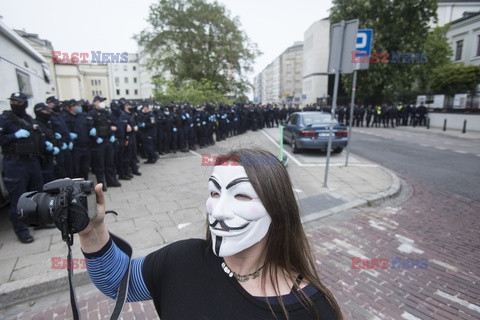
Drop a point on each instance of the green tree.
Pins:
(398, 25)
(194, 40)
(456, 78)
(192, 91)
(439, 54)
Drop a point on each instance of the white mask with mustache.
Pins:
(236, 216)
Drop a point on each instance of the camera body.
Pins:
(66, 202)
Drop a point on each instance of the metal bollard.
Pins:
(445, 125)
(464, 126)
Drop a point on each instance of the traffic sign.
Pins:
(363, 47)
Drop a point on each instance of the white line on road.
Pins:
(440, 148)
(284, 151)
(408, 316)
(460, 151)
(191, 151)
(456, 299)
(424, 145)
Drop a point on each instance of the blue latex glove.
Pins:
(112, 139)
(56, 151)
(191, 125)
(48, 146)
(22, 133)
(73, 135)
(187, 115)
(93, 132)
(70, 145)
(64, 146)
(183, 117)
(141, 124)
(58, 136)
(203, 123)
(228, 121)
(174, 129)
(99, 140)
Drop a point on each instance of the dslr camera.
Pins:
(66, 202)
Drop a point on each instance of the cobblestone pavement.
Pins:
(421, 223)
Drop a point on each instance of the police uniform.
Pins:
(21, 147)
(52, 149)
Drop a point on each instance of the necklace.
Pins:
(239, 277)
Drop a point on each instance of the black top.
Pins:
(186, 281)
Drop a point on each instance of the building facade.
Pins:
(464, 39)
(22, 68)
(451, 10)
(291, 80)
(315, 62)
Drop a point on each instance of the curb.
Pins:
(374, 199)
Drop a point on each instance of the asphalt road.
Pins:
(447, 164)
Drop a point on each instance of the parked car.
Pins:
(311, 129)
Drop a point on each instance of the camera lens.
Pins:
(35, 209)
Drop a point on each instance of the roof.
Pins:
(20, 42)
(466, 16)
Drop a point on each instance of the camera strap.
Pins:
(122, 289)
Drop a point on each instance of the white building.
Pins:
(22, 68)
(464, 38)
(131, 80)
(451, 10)
(315, 61)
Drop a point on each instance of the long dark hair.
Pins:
(287, 247)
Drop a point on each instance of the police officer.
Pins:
(102, 134)
(22, 146)
(47, 159)
(64, 167)
(79, 128)
(130, 162)
(149, 131)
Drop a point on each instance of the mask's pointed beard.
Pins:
(218, 243)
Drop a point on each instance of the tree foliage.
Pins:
(398, 25)
(455, 78)
(192, 91)
(194, 40)
(439, 55)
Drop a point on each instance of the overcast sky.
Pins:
(108, 25)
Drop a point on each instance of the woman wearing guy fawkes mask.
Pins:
(255, 263)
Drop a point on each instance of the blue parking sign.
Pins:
(364, 42)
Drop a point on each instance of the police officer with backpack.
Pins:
(22, 145)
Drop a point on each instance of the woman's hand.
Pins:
(95, 235)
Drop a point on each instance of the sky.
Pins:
(108, 25)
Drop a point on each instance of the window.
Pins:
(126, 79)
(93, 93)
(136, 92)
(134, 68)
(127, 92)
(134, 80)
(125, 68)
(93, 82)
(115, 67)
(293, 119)
(24, 85)
(458, 50)
(117, 81)
(98, 82)
(478, 45)
(118, 92)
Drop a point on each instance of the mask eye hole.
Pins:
(243, 197)
(214, 194)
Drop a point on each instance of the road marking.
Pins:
(440, 148)
(460, 151)
(297, 190)
(424, 145)
(284, 151)
(191, 151)
(456, 299)
(408, 316)
(443, 264)
(183, 225)
(375, 225)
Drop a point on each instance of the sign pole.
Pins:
(354, 89)
(334, 103)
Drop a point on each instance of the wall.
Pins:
(455, 121)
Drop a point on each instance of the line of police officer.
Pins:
(69, 138)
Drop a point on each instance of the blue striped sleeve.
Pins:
(106, 271)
